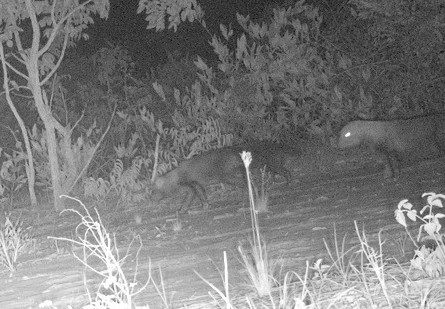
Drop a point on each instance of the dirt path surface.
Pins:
(328, 189)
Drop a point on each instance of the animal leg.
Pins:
(194, 189)
(198, 190)
(392, 166)
(185, 205)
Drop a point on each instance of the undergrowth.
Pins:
(360, 276)
(14, 240)
(356, 277)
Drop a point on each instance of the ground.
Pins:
(330, 191)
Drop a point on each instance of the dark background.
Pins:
(148, 47)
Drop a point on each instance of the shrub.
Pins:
(14, 240)
(430, 259)
(276, 80)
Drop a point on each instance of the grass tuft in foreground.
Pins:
(115, 289)
(14, 240)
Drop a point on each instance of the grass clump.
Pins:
(430, 248)
(115, 289)
(14, 240)
(262, 194)
(360, 276)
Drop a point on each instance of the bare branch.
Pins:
(35, 29)
(53, 18)
(19, 94)
(78, 121)
(155, 165)
(52, 93)
(18, 43)
(66, 113)
(48, 76)
(16, 71)
(94, 151)
(12, 132)
(18, 59)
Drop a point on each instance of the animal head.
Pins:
(161, 184)
(353, 134)
(167, 183)
(160, 188)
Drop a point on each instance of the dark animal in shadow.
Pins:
(222, 165)
(219, 165)
(270, 155)
(399, 142)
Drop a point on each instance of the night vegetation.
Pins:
(102, 126)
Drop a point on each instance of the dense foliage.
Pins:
(295, 72)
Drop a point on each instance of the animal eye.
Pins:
(348, 134)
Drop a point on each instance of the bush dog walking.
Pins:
(399, 141)
(271, 155)
(218, 165)
(221, 165)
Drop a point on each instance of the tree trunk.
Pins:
(29, 166)
(50, 123)
(71, 172)
(53, 162)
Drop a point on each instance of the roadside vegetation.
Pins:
(361, 276)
